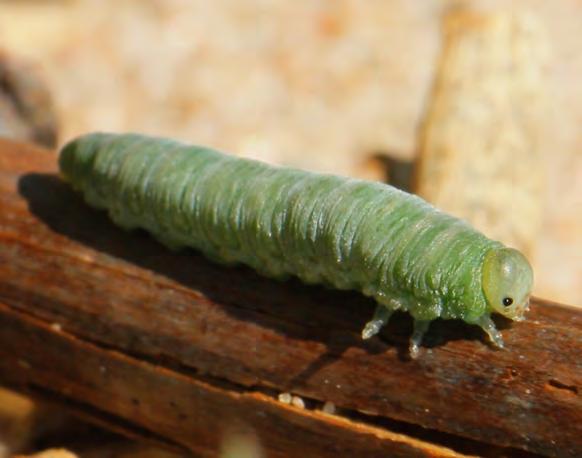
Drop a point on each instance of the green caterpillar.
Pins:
(347, 233)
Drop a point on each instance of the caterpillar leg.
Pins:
(381, 316)
(488, 326)
(420, 328)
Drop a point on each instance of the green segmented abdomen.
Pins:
(321, 228)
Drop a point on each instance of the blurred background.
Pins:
(475, 105)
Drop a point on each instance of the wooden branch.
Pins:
(176, 349)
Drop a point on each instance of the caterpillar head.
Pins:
(507, 282)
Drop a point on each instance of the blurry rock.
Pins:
(126, 449)
(482, 139)
(25, 422)
(51, 453)
(241, 441)
(307, 84)
(26, 107)
(17, 418)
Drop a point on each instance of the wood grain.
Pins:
(177, 349)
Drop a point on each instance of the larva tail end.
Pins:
(77, 156)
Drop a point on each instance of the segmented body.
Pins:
(348, 233)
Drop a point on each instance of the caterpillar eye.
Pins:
(507, 301)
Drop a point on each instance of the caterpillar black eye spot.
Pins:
(507, 301)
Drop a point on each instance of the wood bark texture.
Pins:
(180, 351)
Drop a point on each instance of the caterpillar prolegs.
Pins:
(343, 232)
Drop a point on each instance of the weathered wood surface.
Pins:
(179, 350)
